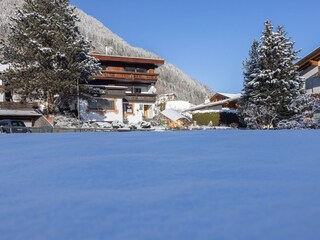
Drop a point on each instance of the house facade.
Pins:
(127, 90)
(309, 68)
(3, 67)
(2, 93)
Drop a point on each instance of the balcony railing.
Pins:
(109, 75)
(141, 98)
(19, 106)
(114, 93)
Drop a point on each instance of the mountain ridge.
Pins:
(172, 79)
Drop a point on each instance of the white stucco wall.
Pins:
(138, 112)
(3, 67)
(1, 94)
(108, 116)
(116, 115)
(311, 80)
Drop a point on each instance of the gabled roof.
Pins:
(236, 97)
(173, 115)
(220, 96)
(306, 61)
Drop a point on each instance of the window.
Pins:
(141, 70)
(128, 108)
(101, 104)
(17, 124)
(4, 124)
(137, 70)
(129, 69)
(135, 90)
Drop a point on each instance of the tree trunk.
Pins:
(50, 103)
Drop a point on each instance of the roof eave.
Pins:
(101, 57)
(305, 62)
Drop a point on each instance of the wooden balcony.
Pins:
(17, 106)
(127, 76)
(114, 93)
(141, 98)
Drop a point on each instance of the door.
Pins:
(146, 111)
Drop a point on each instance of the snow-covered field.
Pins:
(170, 185)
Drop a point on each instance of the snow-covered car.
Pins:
(13, 126)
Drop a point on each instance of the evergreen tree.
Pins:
(272, 84)
(47, 53)
(251, 67)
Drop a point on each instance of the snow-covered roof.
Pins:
(179, 105)
(230, 95)
(104, 57)
(28, 113)
(213, 104)
(173, 115)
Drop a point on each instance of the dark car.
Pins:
(13, 126)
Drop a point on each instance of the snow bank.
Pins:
(168, 185)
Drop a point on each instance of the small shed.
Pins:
(29, 117)
(175, 119)
(26, 112)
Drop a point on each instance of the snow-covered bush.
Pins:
(104, 125)
(117, 125)
(133, 126)
(66, 122)
(287, 124)
(307, 106)
(145, 125)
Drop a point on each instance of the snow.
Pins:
(161, 185)
(3, 67)
(179, 106)
(173, 115)
(231, 95)
(30, 113)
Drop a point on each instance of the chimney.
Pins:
(107, 50)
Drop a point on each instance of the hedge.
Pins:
(217, 119)
(203, 119)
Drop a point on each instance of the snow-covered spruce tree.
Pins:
(272, 82)
(47, 53)
(251, 67)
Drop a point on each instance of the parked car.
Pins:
(13, 126)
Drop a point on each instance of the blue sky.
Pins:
(206, 39)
